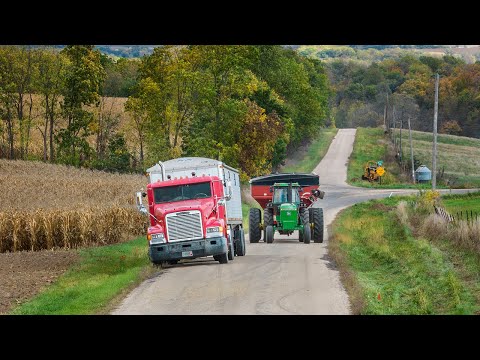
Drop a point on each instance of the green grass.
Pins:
(465, 202)
(458, 155)
(245, 210)
(395, 273)
(90, 286)
(372, 144)
(315, 153)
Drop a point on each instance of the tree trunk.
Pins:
(10, 134)
(29, 125)
(141, 151)
(51, 115)
(20, 122)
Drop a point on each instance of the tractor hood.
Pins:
(288, 207)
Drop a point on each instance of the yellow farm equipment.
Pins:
(373, 171)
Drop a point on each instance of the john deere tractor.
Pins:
(286, 211)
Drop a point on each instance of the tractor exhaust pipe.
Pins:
(289, 193)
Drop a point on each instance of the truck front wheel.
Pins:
(231, 250)
(240, 243)
(222, 258)
(254, 233)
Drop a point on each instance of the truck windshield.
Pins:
(182, 192)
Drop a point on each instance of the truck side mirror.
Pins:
(144, 194)
(138, 198)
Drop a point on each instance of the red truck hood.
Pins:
(204, 205)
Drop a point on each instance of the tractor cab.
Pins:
(286, 193)
(285, 206)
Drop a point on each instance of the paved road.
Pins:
(286, 277)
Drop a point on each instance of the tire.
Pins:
(231, 249)
(254, 233)
(307, 235)
(222, 258)
(269, 234)
(317, 220)
(240, 243)
(300, 235)
(267, 220)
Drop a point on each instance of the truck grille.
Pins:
(185, 225)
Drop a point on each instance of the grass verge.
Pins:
(102, 274)
(372, 144)
(309, 159)
(386, 270)
(464, 202)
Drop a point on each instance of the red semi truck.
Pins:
(195, 210)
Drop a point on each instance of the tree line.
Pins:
(392, 90)
(246, 105)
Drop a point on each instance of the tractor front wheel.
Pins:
(307, 235)
(254, 233)
(267, 220)
(269, 234)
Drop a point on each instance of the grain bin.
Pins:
(423, 174)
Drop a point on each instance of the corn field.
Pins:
(44, 206)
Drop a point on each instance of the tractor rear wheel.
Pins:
(316, 217)
(269, 234)
(307, 235)
(254, 233)
(267, 220)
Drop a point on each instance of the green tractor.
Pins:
(286, 212)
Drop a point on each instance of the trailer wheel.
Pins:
(269, 234)
(307, 235)
(267, 220)
(240, 243)
(254, 233)
(317, 220)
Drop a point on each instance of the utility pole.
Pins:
(411, 149)
(401, 150)
(394, 139)
(435, 116)
(386, 121)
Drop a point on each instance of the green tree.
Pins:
(49, 82)
(84, 76)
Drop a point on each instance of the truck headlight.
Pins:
(214, 231)
(156, 238)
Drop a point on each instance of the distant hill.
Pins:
(372, 53)
(127, 51)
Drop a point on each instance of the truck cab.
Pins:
(188, 218)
